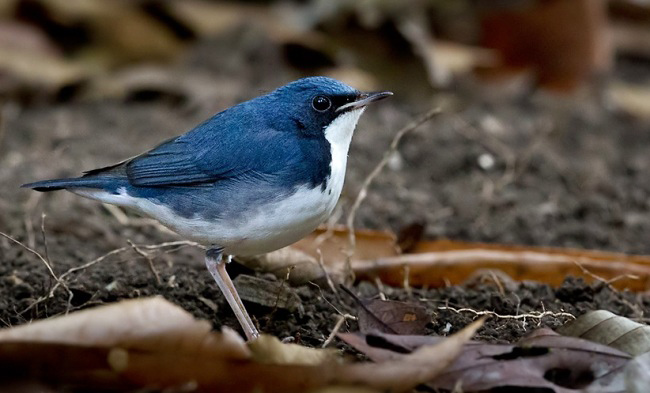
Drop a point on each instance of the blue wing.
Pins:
(220, 148)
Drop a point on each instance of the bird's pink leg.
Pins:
(217, 267)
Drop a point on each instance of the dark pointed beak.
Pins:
(364, 99)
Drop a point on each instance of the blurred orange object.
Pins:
(563, 42)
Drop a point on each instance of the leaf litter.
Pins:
(151, 343)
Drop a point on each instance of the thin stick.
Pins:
(59, 280)
(363, 192)
(602, 279)
(149, 261)
(406, 284)
(330, 283)
(47, 253)
(380, 288)
(532, 314)
(339, 323)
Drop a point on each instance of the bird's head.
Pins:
(318, 106)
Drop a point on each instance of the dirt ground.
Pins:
(521, 169)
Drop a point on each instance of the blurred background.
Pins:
(543, 139)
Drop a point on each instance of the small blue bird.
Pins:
(252, 179)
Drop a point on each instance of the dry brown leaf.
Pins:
(212, 18)
(139, 37)
(399, 317)
(389, 316)
(423, 364)
(268, 349)
(143, 324)
(438, 263)
(27, 55)
(119, 353)
(333, 244)
(607, 328)
(537, 361)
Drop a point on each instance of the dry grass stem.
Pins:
(149, 260)
(363, 191)
(340, 319)
(328, 278)
(61, 279)
(602, 279)
(530, 315)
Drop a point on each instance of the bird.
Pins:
(251, 179)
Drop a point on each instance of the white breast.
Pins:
(271, 227)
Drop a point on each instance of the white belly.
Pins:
(267, 228)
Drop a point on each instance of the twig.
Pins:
(322, 295)
(407, 286)
(380, 288)
(59, 280)
(330, 283)
(29, 207)
(602, 279)
(149, 260)
(339, 322)
(47, 253)
(281, 289)
(363, 192)
(532, 314)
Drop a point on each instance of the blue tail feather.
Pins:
(104, 183)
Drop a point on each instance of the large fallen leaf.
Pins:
(441, 262)
(151, 344)
(609, 329)
(541, 360)
(389, 316)
(142, 324)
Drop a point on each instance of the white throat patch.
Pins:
(339, 135)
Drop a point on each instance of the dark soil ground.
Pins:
(520, 169)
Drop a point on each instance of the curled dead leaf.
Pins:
(438, 263)
(607, 328)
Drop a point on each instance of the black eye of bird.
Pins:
(321, 103)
